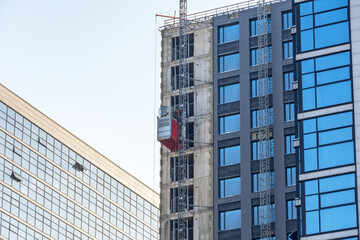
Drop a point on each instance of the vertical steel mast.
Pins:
(183, 83)
(264, 120)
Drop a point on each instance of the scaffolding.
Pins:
(182, 113)
(264, 115)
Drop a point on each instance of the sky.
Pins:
(93, 66)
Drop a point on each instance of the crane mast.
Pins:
(183, 83)
(264, 120)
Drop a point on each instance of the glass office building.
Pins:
(327, 118)
(54, 186)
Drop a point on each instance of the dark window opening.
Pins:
(175, 47)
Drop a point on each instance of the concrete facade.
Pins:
(101, 194)
(202, 181)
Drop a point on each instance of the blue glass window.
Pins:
(330, 204)
(229, 62)
(255, 118)
(230, 220)
(288, 50)
(230, 155)
(328, 141)
(228, 33)
(257, 178)
(229, 124)
(287, 20)
(323, 23)
(257, 220)
(289, 111)
(230, 187)
(325, 81)
(290, 176)
(288, 80)
(256, 149)
(229, 93)
(255, 87)
(291, 210)
(289, 144)
(254, 27)
(254, 56)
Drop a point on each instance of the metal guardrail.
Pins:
(208, 14)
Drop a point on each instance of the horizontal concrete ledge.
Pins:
(316, 53)
(335, 235)
(326, 173)
(300, 1)
(324, 111)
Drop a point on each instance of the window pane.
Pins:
(230, 93)
(313, 219)
(334, 136)
(323, 5)
(329, 95)
(230, 124)
(307, 40)
(288, 80)
(308, 80)
(337, 183)
(336, 155)
(334, 121)
(229, 62)
(308, 97)
(311, 202)
(310, 140)
(332, 61)
(338, 218)
(337, 198)
(306, 22)
(230, 187)
(230, 220)
(306, 8)
(229, 155)
(333, 75)
(331, 17)
(310, 160)
(228, 33)
(332, 35)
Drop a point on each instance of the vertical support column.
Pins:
(355, 46)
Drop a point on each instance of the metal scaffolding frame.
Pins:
(264, 115)
(182, 112)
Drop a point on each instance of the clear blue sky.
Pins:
(89, 65)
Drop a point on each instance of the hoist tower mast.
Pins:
(183, 83)
(264, 115)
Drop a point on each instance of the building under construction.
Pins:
(258, 122)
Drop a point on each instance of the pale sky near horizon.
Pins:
(90, 66)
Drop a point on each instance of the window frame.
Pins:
(288, 51)
(175, 42)
(288, 16)
(223, 127)
(222, 93)
(221, 31)
(222, 62)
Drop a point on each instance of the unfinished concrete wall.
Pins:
(203, 127)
